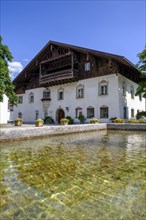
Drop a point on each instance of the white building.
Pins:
(65, 80)
(4, 110)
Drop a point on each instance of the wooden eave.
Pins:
(33, 66)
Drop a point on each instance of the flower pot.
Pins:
(18, 122)
(39, 123)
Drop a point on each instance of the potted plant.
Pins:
(64, 121)
(18, 121)
(39, 123)
(94, 120)
(119, 120)
(81, 118)
(71, 121)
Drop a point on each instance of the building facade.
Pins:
(65, 80)
(4, 110)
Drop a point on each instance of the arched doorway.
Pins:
(59, 114)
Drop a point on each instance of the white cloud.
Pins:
(14, 68)
(25, 60)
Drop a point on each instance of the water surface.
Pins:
(89, 176)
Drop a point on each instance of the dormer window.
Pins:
(87, 66)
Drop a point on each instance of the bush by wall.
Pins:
(119, 120)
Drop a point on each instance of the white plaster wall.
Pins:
(127, 101)
(91, 98)
(4, 112)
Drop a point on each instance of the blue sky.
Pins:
(111, 26)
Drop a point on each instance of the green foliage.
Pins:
(48, 120)
(141, 114)
(81, 118)
(71, 121)
(6, 85)
(94, 120)
(142, 121)
(142, 60)
(142, 67)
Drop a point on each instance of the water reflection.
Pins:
(98, 175)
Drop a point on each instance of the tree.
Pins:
(6, 85)
(142, 67)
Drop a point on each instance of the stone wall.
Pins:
(16, 133)
(125, 126)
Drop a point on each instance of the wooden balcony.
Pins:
(59, 77)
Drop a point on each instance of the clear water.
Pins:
(89, 176)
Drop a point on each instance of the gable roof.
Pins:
(117, 58)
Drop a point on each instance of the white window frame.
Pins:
(103, 88)
(20, 99)
(87, 67)
(104, 114)
(46, 94)
(78, 112)
(80, 91)
(90, 114)
(31, 97)
(60, 91)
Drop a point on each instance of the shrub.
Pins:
(71, 121)
(142, 121)
(112, 119)
(140, 114)
(94, 120)
(119, 120)
(64, 121)
(81, 118)
(131, 120)
(48, 119)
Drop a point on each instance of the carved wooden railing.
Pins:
(62, 75)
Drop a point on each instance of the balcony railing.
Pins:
(62, 75)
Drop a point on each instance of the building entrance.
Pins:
(59, 114)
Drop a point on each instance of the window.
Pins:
(87, 66)
(46, 94)
(132, 113)
(31, 97)
(36, 114)
(104, 112)
(20, 99)
(90, 112)
(78, 112)
(19, 115)
(123, 89)
(140, 97)
(60, 94)
(103, 88)
(132, 92)
(80, 91)
(125, 112)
